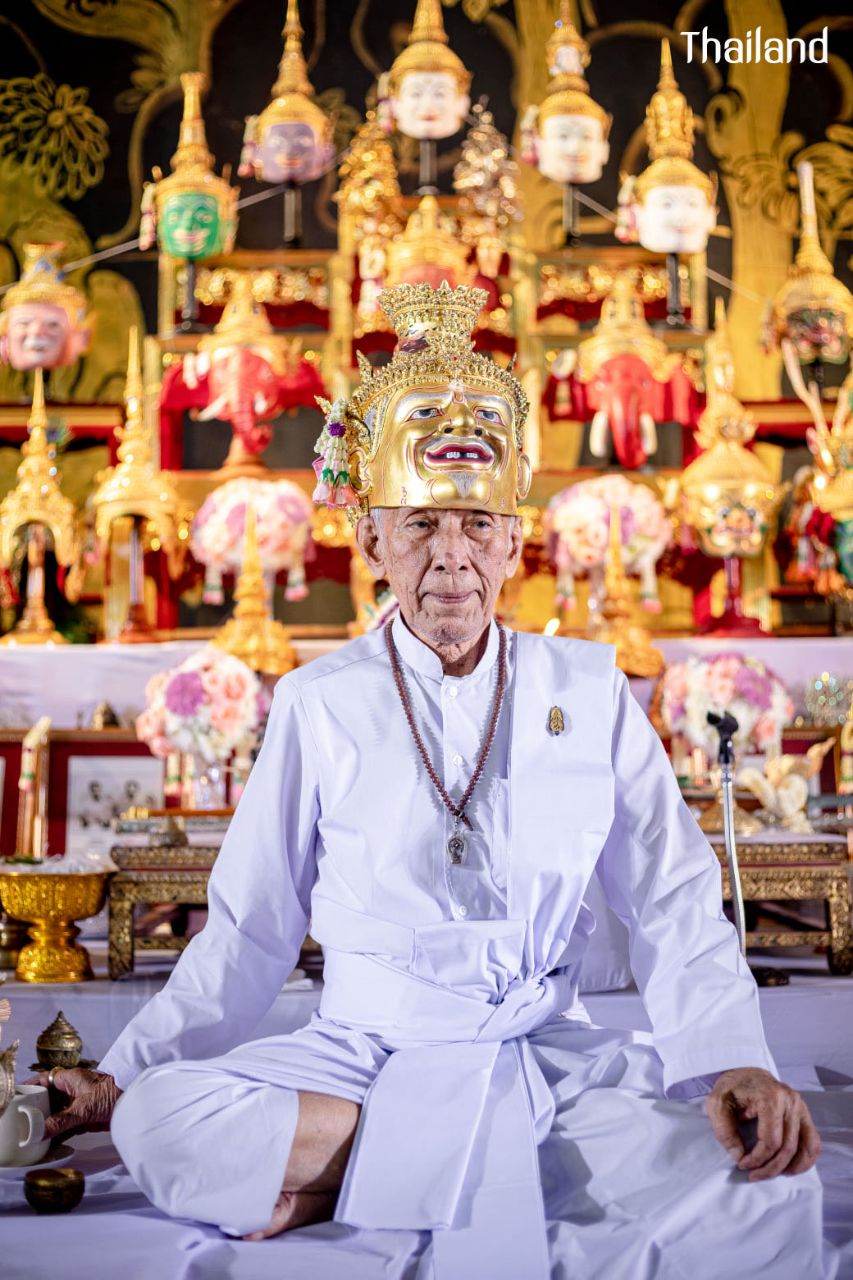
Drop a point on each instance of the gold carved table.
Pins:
(170, 875)
(785, 867)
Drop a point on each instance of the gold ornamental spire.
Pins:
(192, 152)
(635, 654)
(136, 486)
(251, 634)
(567, 55)
(37, 497)
(669, 120)
(724, 417)
(427, 49)
(292, 70)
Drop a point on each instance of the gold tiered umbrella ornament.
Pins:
(252, 634)
(671, 206)
(566, 135)
(137, 490)
(425, 94)
(429, 251)
(35, 509)
(728, 495)
(291, 140)
(811, 317)
(43, 321)
(635, 653)
(192, 211)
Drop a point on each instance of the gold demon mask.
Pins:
(439, 426)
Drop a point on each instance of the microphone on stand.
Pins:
(727, 726)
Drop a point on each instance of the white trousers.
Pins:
(634, 1186)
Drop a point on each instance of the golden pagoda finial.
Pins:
(36, 497)
(635, 654)
(428, 49)
(251, 634)
(669, 120)
(136, 486)
(292, 70)
(192, 149)
(428, 23)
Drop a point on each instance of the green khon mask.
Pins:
(190, 226)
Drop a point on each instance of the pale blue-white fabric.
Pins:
(493, 1113)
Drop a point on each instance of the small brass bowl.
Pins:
(54, 1190)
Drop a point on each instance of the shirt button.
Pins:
(463, 911)
(457, 759)
(452, 691)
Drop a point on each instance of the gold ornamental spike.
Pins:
(567, 55)
(292, 70)
(136, 486)
(192, 151)
(252, 634)
(428, 49)
(635, 654)
(36, 498)
(669, 136)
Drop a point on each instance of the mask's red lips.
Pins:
(459, 453)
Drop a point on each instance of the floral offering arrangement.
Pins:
(577, 524)
(283, 514)
(755, 696)
(210, 706)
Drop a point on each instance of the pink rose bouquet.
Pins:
(283, 522)
(211, 706)
(755, 696)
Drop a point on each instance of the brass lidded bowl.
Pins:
(54, 1190)
(59, 1045)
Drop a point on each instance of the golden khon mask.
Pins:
(439, 426)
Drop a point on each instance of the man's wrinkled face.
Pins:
(38, 333)
(429, 105)
(190, 225)
(572, 148)
(446, 567)
(675, 219)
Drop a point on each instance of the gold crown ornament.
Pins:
(427, 49)
(192, 210)
(813, 308)
(623, 330)
(42, 281)
(136, 486)
(244, 323)
(428, 247)
(37, 498)
(292, 103)
(669, 137)
(568, 93)
(440, 425)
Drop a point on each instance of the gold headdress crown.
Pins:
(427, 49)
(669, 137)
(192, 163)
(568, 92)
(429, 240)
(811, 284)
(243, 323)
(42, 281)
(293, 94)
(410, 434)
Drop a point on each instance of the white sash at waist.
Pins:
(453, 1097)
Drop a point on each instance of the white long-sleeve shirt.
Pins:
(338, 806)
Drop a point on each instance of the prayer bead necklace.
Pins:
(456, 843)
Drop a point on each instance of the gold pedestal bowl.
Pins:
(50, 902)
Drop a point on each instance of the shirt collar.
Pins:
(421, 658)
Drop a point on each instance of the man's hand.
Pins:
(93, 1094)
(787, 1141)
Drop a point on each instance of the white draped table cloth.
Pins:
(510, 1137)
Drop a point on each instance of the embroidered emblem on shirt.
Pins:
(556, 722)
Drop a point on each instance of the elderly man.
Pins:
(435, 797)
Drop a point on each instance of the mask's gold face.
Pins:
(446, 448)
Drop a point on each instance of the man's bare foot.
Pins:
(297, 1209)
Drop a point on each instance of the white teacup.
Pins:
(22, 1139)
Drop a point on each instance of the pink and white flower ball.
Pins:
(744, 686)
(577, 524)
(212, 705)
(283, 522)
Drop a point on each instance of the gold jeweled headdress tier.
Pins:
(440, 425)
